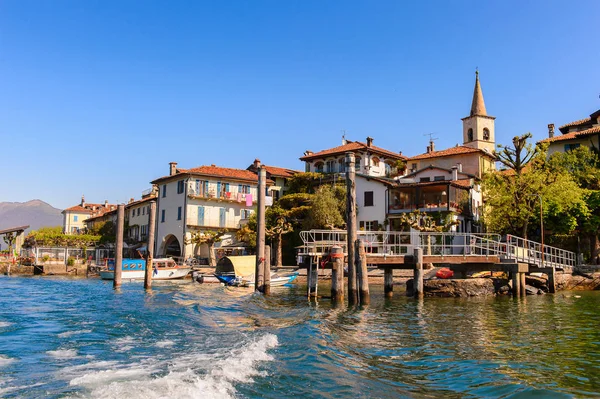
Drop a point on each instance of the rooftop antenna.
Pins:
(343, 137)
(431, 140)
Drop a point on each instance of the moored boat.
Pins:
(239, 271)
(135, 269)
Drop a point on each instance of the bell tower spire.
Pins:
(478, 127)
(478, 105)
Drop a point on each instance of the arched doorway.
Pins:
(171, 246)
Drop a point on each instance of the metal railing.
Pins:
(527, 251)
(401, 243)
(390, 243)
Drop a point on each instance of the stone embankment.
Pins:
(497, 286)
(48, 270)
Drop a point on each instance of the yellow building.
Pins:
(74, 217)
(584, 132)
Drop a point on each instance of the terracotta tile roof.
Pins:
(140, 201)
(352, 146)
(458, 150)
(280, 172)
(576, 123)
(216, 171)
(90, 208)
(78, 209)
(572, 135)
(104, 214)
(465, 183)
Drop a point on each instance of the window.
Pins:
(342, 165)
(179, 213)
(200, 216)
(245, 213)
(138, 212)
(162, 216)
(424, 179)
(368, 198)
(243, 189)
(180, 186)
(330, 167)
(486, 133)
(75, 218)
(413, 167)
(143, 210)
(357, 164)
(319, 167)
(132, 212)
(164, 190)
(375, 161)
(369, 225)
(569, 147)
(439, 178)
(470, 135)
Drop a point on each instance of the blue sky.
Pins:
(96, 97)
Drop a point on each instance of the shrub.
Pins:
(70, 261)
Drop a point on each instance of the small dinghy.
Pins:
(238, 271)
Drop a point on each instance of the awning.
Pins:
(242, 265)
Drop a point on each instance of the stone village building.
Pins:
(205, 198)
(74, 217)
(584, 132)
(389, 184)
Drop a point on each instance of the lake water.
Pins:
(79, 338)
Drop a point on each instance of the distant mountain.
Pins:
(34, 213)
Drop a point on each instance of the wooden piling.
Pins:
(313, 278)
(516, 280)
(150, 246)
(267, 270)
(362, 273)
(337, 274)
(388, 282)
(259, 271)
(418, 284)
(523, 284)
(551, 280)
(119, 246)
(351, 226)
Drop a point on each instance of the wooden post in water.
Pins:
(337, 274)
(351, 226)
(150, 246)
(362, 273)
(523, 284)
(516, 280)
(388, 282)
(119, 248)
(551, 273)
(418, 284)
(267, 270)
(259, 271)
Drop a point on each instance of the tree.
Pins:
(209, 238)
(513, 196)
(583, 164)
(9, 239)
(277, 225)
(325, 210)
(54, 237)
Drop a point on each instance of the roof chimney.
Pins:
(308, 152)
(83, 201)
(131, 200)
(454, 173)
(551, 130)
(106, 203)
(428, 149)
(257, 163)
(431, 145)
(459, 165)
(172, 168)
(369, 141)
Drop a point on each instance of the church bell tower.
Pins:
(478, 127)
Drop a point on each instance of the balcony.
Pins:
(220, 196)
(431, 198)
(215, 223)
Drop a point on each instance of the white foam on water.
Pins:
(71, 333)
(164, 344)
(217, 379)
(5, 360)
(63, 353)
(5, 324)
(124, 344)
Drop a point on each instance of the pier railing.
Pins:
(391, 243)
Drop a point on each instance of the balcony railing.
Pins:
(215, 223)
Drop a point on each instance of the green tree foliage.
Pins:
(209, 238)
(107, 231)
(304, 182)
(325, 211)
(54, 237)
(513, 196)
(583, 164)
(9, 239)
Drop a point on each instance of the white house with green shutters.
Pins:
(205, 198)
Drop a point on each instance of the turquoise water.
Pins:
(78, 338)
